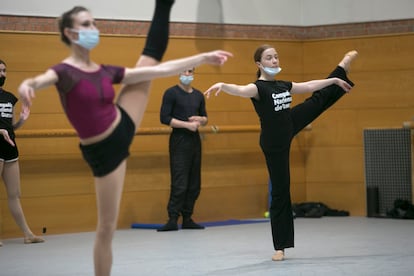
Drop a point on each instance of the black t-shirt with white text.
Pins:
(7, 102)
(273, 109)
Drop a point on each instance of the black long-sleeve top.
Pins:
(181, 105)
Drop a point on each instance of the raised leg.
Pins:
(306, 112)
(134, 98)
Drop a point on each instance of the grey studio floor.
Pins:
(324, 246)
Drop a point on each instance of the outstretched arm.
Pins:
(28, 87)
(246, 91)
(314, 85)
(174, 67)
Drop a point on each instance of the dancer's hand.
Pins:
(344, 85)
(218, 57)
(24, 114)
(6, 136)
(200, 119)
(26, 93)
(193, 125)
(215, 87)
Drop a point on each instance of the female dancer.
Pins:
(9, 156)
(105, 128)
(280, 123)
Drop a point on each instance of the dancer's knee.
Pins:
(105, 231)
(13, 195)
(145, 60)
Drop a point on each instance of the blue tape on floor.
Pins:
(206, 224)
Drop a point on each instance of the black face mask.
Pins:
(2, 80)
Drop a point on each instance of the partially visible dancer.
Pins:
(184, 109)
(280, 123)
(9, 156)
(107, 128)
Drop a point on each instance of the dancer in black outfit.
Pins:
(280, 123)
(9, 156)
(184, 109)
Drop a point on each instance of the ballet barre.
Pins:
(214, 129)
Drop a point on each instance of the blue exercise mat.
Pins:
(206, 224)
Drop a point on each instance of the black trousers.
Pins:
(277, 160)
(185, 170)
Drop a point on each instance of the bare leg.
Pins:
(11, 177)
(134, 98)
(108, 199)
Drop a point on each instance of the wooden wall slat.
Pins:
(335, 164)
(382, 53)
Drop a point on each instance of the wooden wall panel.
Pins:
(335, 164)
(48, 147)
(348, 196)
(59, 214)
(214, 204)
(326, 162)
(391, 92)
(55, 177)
(382, 98)
(232, 203)
(384, 118)
(382, 53)
(335, 128)
(31, 52)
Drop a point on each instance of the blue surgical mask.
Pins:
(186, 80)
(272, 71)
(88, 39)
(2, 80)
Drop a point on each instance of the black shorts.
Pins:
(105, 156)
(8, 153)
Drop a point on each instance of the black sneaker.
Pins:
(190, 224)
(169, 226)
